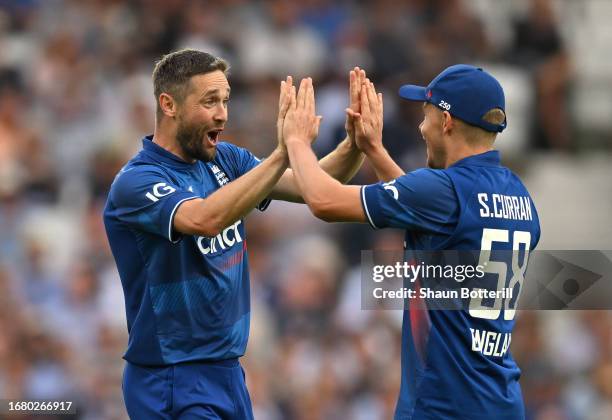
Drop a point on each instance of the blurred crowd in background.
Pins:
(76, 98)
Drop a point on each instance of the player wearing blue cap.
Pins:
(455, 364)
(174, 221)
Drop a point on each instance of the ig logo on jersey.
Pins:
(160, 189)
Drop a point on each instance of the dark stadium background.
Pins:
(76, 97)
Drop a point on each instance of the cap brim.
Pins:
(413, 93)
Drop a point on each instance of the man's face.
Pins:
(202, 115)
(431, 130)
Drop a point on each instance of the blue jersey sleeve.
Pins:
(145, 198)
(242, 161)
(422, 200)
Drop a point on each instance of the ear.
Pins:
(168, 105)
(448, 124)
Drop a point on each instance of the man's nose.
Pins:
(220, 114)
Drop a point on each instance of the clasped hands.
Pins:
(298, 123)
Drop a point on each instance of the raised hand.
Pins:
(284, 101)
(368, 122)
(356, 78)
(301, 124)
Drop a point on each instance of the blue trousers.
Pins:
(195, 390)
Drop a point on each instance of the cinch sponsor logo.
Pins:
(224, 240)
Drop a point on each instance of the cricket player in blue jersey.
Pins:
(455, 364)
(174, 221)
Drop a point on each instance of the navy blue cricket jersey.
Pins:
(187, 297)
(456, 364)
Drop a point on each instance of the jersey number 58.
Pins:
(499, 268)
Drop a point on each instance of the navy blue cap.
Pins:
(466, 92)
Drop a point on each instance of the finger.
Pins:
(363, 80)
(380, 104)
(349, 122)
(357, 71)
(362, 77)
(293, 99)
(310, 102)
(358, 122)
(288, 84)
(290, 94)
(365, 103)
(299, 92)
(306, 97)
(306, 93)
(301, 95)
(353, 91)
(282, 94)
(372, 99)
(284, 100)
(352, 114)
(316, 126)
(349, 118)
(310, 98)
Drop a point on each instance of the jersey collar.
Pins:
(490, 158)
(159, 153)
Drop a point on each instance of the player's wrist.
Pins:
(374, 150)
(281, 153)
(350, 145)
(294, 140)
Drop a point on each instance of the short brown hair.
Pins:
(494, 116)
(173, 72)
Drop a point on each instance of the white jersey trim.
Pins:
(365, 207)
(172, 219)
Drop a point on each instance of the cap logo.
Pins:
(444, 105)
(428, 94)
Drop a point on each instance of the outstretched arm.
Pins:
(342, 163)
(327, 198)
(209, 216)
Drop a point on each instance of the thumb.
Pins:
(350, 119)
(358, 123)
(350, 112)
(351, 115)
